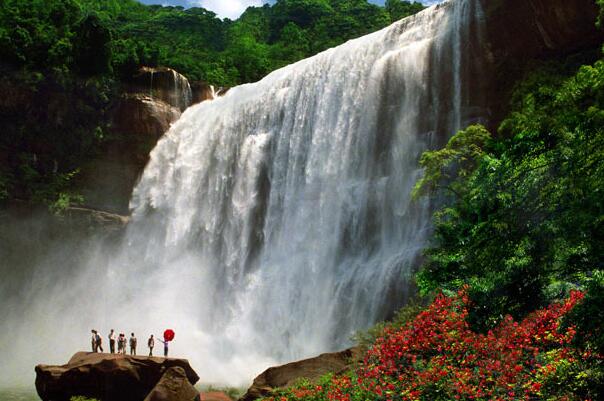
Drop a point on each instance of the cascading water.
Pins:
(273, 222)
(294, 192)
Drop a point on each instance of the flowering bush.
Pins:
(437, 356)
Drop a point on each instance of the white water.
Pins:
(273, 222)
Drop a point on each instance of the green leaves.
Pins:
(525, 210)
(458, 160)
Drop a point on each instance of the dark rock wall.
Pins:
(519, 31)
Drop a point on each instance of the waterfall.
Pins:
(274, 221)
(293, 194)
(182, 95)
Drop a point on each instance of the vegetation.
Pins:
(525, 219)
(62, 63)
(437, 356)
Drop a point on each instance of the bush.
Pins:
(437, 356)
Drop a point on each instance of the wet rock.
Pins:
(203, 91)
(138, 123)
(163, 84)
(111, 377)
(311, 369)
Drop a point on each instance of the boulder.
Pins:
(311, 369)
(109, 377)
(173, 386)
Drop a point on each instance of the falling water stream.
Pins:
(273, 222)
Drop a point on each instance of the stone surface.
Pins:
(163, 84)
(152, 100)
(139, 120)
(106, 376)
(312, 369)
(173, 386)
(215, 396)
(95, 220)
(202, 91)
(518, 31)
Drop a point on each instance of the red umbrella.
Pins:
(169, 335)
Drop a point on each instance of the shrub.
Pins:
(437, 356)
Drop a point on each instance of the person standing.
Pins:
(112, 341)
(94, 346)
(165, 347)
(151, 344)
(121, 343)
(132, 344)
(99, 341)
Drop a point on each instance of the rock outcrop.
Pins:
(153, 100)
(518, 31)
(117, 378)
(311, 369)
(163, 84)
(203, 91)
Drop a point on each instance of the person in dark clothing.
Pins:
(112, 341)
(99, 341)
(151, 344)
(132, 344)
(165, 348)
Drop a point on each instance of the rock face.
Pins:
(519, 31)
(153, 100)
(173, 386)
(203, 91)
(113, 377)
(312, 369)
(163, 84)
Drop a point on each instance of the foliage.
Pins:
(589, 315)
(400, 9)
(365, 339)
(81, 398)
(437, 356)
(452, 165)
(526, 221)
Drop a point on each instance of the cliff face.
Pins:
(519, 31)
(152, 100)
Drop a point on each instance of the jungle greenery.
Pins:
(62, 63)
(523, 221)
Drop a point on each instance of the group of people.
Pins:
(122, 342)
